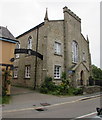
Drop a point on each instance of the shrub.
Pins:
(4, 91)
(78, 91)
(64, 87)
(6, 80)
(48, 86)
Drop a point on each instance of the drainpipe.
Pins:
(36, 59)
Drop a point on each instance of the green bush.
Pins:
(4, 91)
(6, 99)
(78, 91)
(48, 86)
(64, 87)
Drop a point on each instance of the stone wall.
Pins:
(92, 89)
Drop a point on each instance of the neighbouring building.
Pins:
(63, 47)
(7, 47)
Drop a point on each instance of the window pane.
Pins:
(15, 72)
(27, 72)
(57, 72)
(57, 48)
(29, 43)
(75, 51)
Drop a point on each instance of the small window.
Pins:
(57, 48)
(15, 74)
(83, 57)
(57, 72)
(29, 43)
(17, 47)
(27, 71)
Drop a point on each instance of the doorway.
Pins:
(82, 77)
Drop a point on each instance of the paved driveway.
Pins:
(20, 90)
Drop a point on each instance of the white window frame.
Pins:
(27, 71)
(29, 46)
(57, 48)
(17, 47)
(57, 72)
(74, 52)
(15, 72)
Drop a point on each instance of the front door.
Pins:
(81, 77)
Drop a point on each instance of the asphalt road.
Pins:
(74, 108)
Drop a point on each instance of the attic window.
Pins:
(29, 43)
(17, 47)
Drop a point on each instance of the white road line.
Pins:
(32, 108)
(53, 105)
(83, 116)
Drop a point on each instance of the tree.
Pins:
(97, 75)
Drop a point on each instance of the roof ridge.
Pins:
(41, 24)
(5, 33)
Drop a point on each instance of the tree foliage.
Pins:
(96, 72)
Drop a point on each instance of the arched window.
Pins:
(29, 43)
(17, 47)
(74, 51)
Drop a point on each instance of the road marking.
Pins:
(53, 105)
(33, 108)
(89, 99)
(83, 116)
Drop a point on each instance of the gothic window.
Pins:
(15, 74)
(29, 43)
(17, 47)
(57, 48)
(57, 72)
(74, 52)
(27, 71)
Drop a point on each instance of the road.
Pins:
(75, 108)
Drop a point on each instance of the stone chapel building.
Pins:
(63, 48)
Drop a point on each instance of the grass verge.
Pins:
(5, 99)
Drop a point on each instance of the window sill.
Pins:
(57, 78)
(27, 78)
(75, 63)
(57, 54)
(15, 78)
(16, 58)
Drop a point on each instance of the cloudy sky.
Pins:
(22, 15)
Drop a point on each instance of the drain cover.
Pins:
(41, 109)
(34, 105)
(45, 104)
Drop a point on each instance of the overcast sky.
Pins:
(22, 15)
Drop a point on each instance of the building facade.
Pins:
(63, 47)
(7, 47)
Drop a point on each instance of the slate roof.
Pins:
(41, 24)
(5, 33)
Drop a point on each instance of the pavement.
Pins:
(24, 99)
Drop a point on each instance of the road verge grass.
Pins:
(5, 100)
